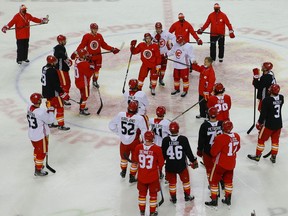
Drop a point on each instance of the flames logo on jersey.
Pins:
(147, 54)
(178, 53)
(94, 45)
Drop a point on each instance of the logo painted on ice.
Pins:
(147, 54)
(94, 45)
(178, 53)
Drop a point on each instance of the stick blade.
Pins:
(250, 129)
(50, 168)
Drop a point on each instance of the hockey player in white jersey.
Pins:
(164, 39)
(183, 54)
(137, 95)
(38, 131)
(128, 126)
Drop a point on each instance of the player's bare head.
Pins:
(158, 27)
(174, 128)
(94, 28)
(132, 107)
(212, 112)
(160, 111)
(149, 137)
(36, 99)
(133, 84)
(218, 88)
(147, 38)
(208, 61)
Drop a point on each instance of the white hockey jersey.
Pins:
(38, 120)
(183, 54)
(126, 127)
(160, 129)
(166, 38)
(139, 96)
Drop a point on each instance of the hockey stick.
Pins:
(127, 158)
(194, 42)
(215, 34)
(47, 17)
(47, 165)
(267, 155)
(178, 62)
(130, 58)
(254, 118)
(187, 110)
(121, 47)
(74, 101)
(101, 102)
(161, 192)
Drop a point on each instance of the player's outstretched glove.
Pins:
(115, 50)
(231, 34)
(4, 29)
(133, 43)
(199, 31)
(44, 20)
(199, 42)
(256, 73)
(74, 55)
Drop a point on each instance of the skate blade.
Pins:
(215, 208)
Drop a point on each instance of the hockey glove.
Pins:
(133, 43)
(4, 29)
(157, 37)
(194, 165)
(199, 42)
(206, 95)
(44, 20)
(199, 153)
(74, 55)
(65, 96)
(231, 34)
(115, 50)
(259, 126)
(256, 73)
(68, 62)
(199, 31)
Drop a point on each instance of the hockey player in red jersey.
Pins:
(183, 54)
(52, 91)
(270, 123)
(206, 82)
(38, 132)
(184, 28)
(221, 101)
(150, 161)
(207, 133)
(217, 21)
(128, 126)
(63, 65)
(83, 74)
(151, 60)
(93, 42)
(263, 82)
(164, 40)
(223, 151)
(176, 149)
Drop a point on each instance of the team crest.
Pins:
(94, 45)
(147, 54)
(162, 42)
(178, 53)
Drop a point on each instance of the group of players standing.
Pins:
(155, 140)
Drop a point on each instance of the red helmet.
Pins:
(51, 59)
(35, 98)
(93, 26)
(267, 66)
(213, 112)
(227, 126)
(133, 84)
(23, 7)
(216, 5)
(147, 35)
(179, 39)
(61, 38)
(160, 111)
(82, 53)
(158, 25)
(149, 136)
(133, 106)
(219, 88)
(274, 89)
(174, 127)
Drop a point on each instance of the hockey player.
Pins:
(263, 83)
(207, 133)
(183, 54)
(217, 21)
(223, 151)
(206, 82)
(83, 74)
(164, 40)
(63, 65)
(221, 101)
(138, 95)
(21, 21)
(93, 42)
(38, 131)
(184, 28)
(151, 60)
(150, 160)
(176, 149)
(269, 123)
(128, 126)
(52, 91)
